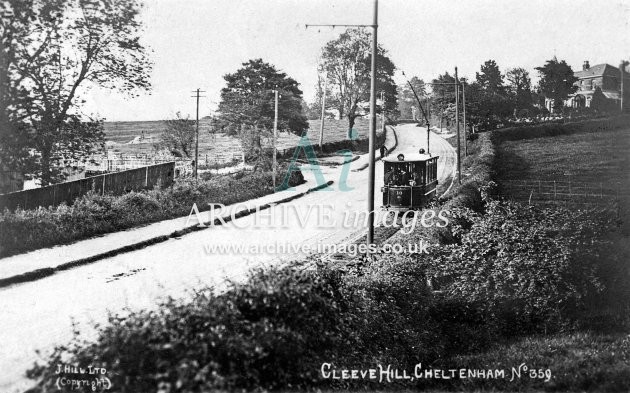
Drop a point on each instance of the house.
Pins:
(599, 87)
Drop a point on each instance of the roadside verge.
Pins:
(37, 274)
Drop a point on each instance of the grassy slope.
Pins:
(579, 361)
(219, 147)
(586, 360)
(586, 157)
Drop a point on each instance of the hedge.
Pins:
(94, 214)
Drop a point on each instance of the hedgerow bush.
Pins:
(532, 269)
(95, 214)
(273, 331)
(551, 129)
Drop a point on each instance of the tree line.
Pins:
(492, 97)
(54, 51)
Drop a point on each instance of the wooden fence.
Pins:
(565, 192)
(116, 183)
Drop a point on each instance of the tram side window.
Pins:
(417, 174)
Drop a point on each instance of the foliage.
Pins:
(538, 266)
(247, 106)
(273, 331)
(178, 136)
(314, 111)
(443, 97)
(346, 62)
(520, 88)
(95, 214)
(52, 51)
(556, 82)
(488, 99)
(490, 78)
(407, 100)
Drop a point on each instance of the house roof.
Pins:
(597, 70)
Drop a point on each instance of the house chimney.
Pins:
(585, 66)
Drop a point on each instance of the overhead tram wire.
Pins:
(424, 114)
(372, 134)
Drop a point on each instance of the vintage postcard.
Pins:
(314, 195)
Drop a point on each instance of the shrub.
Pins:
(533, 269)
(95, 214)
(273, 331)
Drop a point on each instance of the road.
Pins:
(39, 315)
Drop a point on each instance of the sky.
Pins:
(195, 43)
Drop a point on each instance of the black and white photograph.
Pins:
(314, 196)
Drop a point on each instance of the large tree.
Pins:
(556, 82)
(247, 105)
(488, 97)
(490, 78)
(407, 100)
(520, 87)
(346, 63)
(53, 51)
(443, 99)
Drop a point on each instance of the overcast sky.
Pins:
(196, 42)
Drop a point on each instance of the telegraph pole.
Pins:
(275, 138)
(372, 133)
(621, 71)
(465, 129)
(372, 140)
(321, 125)
(459, 165)
(197, 96)
(383, 112)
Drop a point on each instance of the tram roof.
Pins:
(409, 157)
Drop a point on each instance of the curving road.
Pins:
(39, 315)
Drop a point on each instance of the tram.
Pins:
(410, 181)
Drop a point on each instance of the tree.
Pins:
(53, 51)
(247, 105)
(490, 78)
(444, 97)
(520, 86)
(314, 111)
(179, 135)
(556, 82)
(407, 100)
(489, 100)
(346, 62)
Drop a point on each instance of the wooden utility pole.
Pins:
(275, 138)
(321, 124)
(197, 96)
(372, 139)
(465, 129)
(372, 134)
(621, 71)
(459, 166)
(383, 112)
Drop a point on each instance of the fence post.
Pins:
(555, 194)
(103, 192)
(146, 176)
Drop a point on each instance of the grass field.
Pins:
(590, 165)
(139, 138)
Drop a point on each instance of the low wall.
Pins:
(111, 183)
